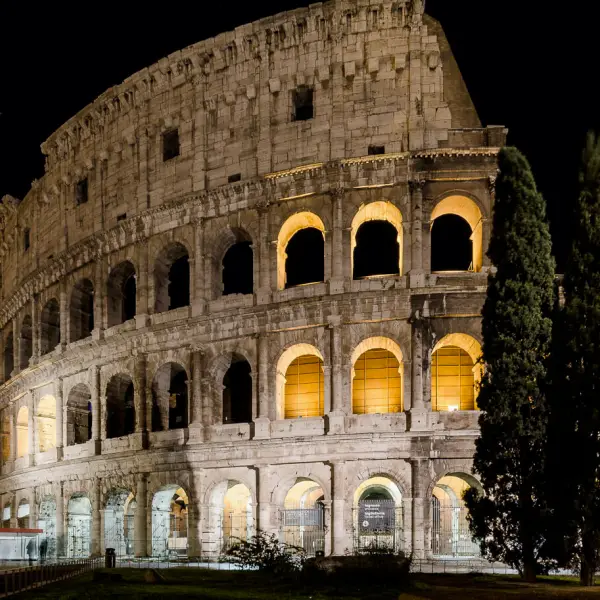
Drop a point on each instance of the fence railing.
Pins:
(26, 578)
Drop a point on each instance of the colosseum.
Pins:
(246, 293)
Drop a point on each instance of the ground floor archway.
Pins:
(118, 522)
(303, 516)
(170, 522)
(79, 526)
(450, 534)
(47, 522)
(378, 516)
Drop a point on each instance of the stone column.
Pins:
(265, 521)
(263, 294)
(61, 421)
(418, 415)
(336, 284)
(141, 517)
(96, 517)
(13, 512)
(99, 297)
(197, 271)
(33, 509)
(139, 394)
(419, 488)
(417, 273)
(13, 434)
(338, 486)
(16, 346)
(64, 315)
(31, 437)
(266, 412)
(338, 408)
(60, 522)
(196, 425)
(98, 429)
(141, 290)
(207, 409)
(35, 329)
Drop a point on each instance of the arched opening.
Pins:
(301, 251)
(303, 516)
(455, 373)
(377, 377)
(50, 326)
(376, 241)
(22, 432)
(121, 294)
(170, 398)
(23, 512)
(118, 522)
(120, 408)
(237, 392)
(172, 278)
(456, 235)
(450, 534)
(79, 522)
(25, 343)
(170, 522)
(46, 423)
(231, 515)
(79, 415)
(47, 523)
(81, 311)
(378, 516)
(9, 356)
(238, 269)
(5, 437)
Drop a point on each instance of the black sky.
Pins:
(528, 65)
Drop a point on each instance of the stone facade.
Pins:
(109, 205)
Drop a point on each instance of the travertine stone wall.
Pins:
(382, 75)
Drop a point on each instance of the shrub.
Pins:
(265, 552)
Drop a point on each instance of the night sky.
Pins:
(532, 69)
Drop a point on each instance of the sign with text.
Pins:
(376, 515)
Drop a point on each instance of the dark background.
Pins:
(529, 64)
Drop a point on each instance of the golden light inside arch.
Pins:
(467, 209)
(381, 210)
(379, 481)
(378, 379)
(303, 494)
(293, 225)
(454, 379)
(46, 423)
(285, 360)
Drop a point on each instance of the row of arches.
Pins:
(302, 518)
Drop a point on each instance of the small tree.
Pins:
(507, 518)
(574, 435)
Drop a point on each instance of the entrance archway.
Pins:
(47, 522)
(79, 525)
(231, 515)
(170, 522)
(450, 534)
(23, 511)
(303, 516)
(118, 523)
(378, 522)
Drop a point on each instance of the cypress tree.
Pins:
(574, 435)
(516, 325)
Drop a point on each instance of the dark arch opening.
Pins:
(9, 356)
(305, 261)
(237, 393)
(120, 407)
(26, 342)
(82, 310)
(238, 269)
(451, 244)
(50, 326)
(121, 294)
(170, 398)
(376, 493)
(377, 250)
(172, 279)
(79, 415)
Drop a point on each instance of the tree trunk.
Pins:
(529, 572)
(588, 561)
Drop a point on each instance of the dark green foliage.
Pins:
(265, 552)
(516, 326)
(574, 434)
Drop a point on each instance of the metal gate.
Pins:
(235, 527)
(79, 536)
(378, 526)
(450, 534)
(304, 528)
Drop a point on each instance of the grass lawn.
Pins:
(223, 585)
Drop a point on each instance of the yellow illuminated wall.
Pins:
(304, 388)
(452, 380)
(377, 385)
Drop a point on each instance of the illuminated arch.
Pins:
(289, 356)
(467, 209)
(46, 423)
(381, 210)
(371, 348)
(462, 373)
(293, 225)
